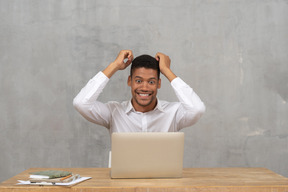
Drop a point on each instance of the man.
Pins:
(144, 112)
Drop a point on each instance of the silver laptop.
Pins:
(147, 155)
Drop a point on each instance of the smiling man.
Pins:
(144, 112)
(144, 81)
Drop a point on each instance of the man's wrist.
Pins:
(168, 74)
(111, 69)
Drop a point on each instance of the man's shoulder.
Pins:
(165, 104)
(117, 104)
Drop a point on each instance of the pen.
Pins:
(65, 177)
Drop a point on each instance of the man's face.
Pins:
(144, 84)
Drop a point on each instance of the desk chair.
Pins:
(109, 163)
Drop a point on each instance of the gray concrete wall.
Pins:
(232, 52)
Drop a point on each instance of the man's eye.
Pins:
(138, 81)
(151, 82)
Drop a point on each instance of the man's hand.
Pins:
(123, 60)
(164, 65)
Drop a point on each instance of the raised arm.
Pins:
(192, 107)
(86, 100)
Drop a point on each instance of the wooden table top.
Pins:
(194, 179)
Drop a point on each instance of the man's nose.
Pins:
(145, 85)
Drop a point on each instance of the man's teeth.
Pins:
(144, 95)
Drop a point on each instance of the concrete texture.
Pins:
(232, 52)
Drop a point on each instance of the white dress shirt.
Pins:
(121, 117)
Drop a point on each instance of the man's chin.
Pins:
(144, 103)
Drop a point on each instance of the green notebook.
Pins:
(52, 173)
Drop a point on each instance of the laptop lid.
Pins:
(147, 155)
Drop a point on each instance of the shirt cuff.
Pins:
(178, 82)
(101, 76)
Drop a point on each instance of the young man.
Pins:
(144, 112)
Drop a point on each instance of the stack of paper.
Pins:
(54, 177)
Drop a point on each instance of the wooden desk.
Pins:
(194, 179)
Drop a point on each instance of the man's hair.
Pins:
(145, 61)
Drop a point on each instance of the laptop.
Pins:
(147, 155)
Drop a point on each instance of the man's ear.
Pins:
(159, 83)
(129, 81)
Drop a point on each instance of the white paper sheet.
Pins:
(21, 182)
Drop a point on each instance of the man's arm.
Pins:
(86, 101)
(192, 107)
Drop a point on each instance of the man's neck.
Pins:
(144, 109)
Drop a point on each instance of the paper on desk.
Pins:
(59, 184)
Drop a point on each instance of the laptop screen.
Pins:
(147, 155)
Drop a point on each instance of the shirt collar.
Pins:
(129, 106)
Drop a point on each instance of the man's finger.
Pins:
(157, 57)
(130, 55)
